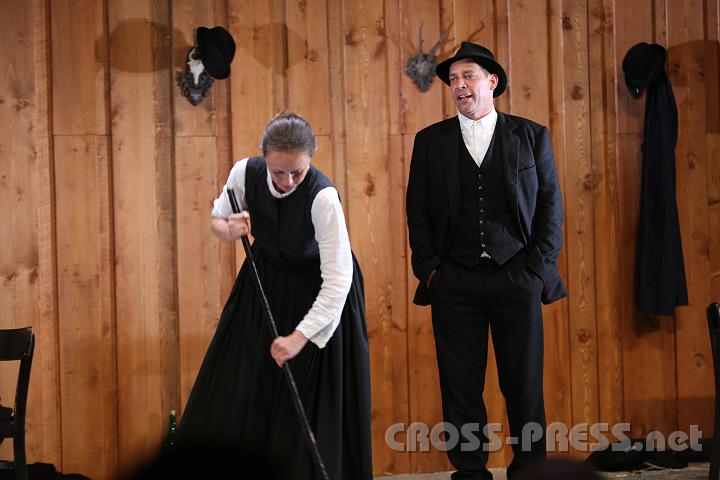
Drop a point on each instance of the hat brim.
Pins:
(634, 90)
(214, 66)
(218, 72)
(443, 70)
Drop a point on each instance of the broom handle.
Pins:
(309, 436)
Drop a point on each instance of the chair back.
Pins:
(16, 343)
(713, 319)
(19, 344)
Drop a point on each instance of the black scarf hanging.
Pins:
(660, 273)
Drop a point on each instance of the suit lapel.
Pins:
(450, 147)
(509, 144)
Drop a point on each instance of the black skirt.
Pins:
(241, 400)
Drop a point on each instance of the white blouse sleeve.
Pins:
(236, 181)
(336, 268)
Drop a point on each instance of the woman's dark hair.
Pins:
(288, 132)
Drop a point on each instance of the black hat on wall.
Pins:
(482, 56)
(217, 49)
(642, 66)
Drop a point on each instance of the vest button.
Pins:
(482, 245)
(482, 222)
(481, 199)
(482, 234)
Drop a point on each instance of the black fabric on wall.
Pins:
(660, 273)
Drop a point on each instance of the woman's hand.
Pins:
(285, 348)
(238, 225)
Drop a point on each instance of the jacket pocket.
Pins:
(527, 170)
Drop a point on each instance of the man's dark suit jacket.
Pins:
(531, 184)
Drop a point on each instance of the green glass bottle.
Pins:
(172, 425)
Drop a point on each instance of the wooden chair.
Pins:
(18, 344)
(713, 319)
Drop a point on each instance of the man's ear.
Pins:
(494, 80)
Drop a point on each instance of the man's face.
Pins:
(472, 88)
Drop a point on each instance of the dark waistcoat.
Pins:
(485, 222)
(283, 227)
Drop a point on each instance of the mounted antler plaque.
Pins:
(421, 67)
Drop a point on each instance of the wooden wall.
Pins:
(107, 175)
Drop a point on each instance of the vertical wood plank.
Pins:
(307, 53)
(323, 159)
(397, 43)
(84, 238)
(145, 244)
(79, 67)
(85, 306)
(558, 385)
(686, 58)
(714, 224)
(579, 190)
(502, 50)
(369, 160)
(336, 67)
(604, 165)
(388, 342)
(530, 72)
(712, 66)
(660, 21)
(27, 254)
(43, 425)
(423, 378)
(258, 32)
(713, 158)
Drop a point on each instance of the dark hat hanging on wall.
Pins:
(642, 65)
(217, 49)
(209, 60)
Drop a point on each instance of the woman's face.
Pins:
(287, 169)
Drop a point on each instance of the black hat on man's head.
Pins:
(217, 49)
(642, 66)
(479, 54)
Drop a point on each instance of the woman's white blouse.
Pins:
(336, 267)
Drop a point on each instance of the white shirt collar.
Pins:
(488, 120)
(273, 191)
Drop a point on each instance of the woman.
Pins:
(315, 290)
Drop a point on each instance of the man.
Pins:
(484, 217)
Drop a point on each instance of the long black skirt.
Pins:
(241, 399)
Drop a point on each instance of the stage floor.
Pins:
(696, 471)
